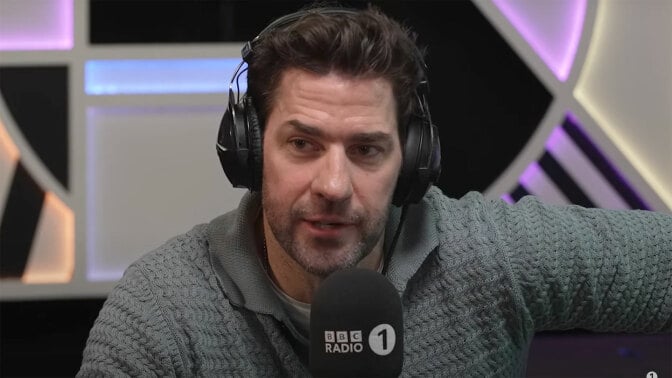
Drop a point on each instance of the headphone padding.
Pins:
(232, 147)
(256, 157)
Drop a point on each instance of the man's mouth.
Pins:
(327, 225)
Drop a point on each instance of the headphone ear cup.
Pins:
(232, 146)
(256, 156)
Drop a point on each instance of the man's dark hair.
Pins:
(363, 44)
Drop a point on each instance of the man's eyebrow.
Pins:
(372, 137)
(306, 129)
(363, 137)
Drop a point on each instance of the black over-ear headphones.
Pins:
(239, 141)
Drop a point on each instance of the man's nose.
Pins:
(333, 180)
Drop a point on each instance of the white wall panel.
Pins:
(626, 85)
(152, 173)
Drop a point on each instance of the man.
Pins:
(333, 96)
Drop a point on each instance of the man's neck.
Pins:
(290, 277)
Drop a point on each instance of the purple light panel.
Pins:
(36, 25)
(552, 28)
(531, 174)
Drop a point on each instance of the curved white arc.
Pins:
(583, 47)
(561, 91)
(9, 157)
(34, 165)
(519, 45)
(544, 24)
(617, 158)
(616, 96)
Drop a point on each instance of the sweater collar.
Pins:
(234, 253)
(418, 238)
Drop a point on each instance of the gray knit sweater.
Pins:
(477, 278)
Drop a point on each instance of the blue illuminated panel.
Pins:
(160, 76)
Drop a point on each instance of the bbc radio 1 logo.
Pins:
(381, 341)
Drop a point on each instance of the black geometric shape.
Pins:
(182, 21)
(485, 100)
(53, 332)
(564, 181)
(146, 21)
(19, 223)
(519, 192)
(37, 98)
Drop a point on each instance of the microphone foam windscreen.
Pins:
(356, 326)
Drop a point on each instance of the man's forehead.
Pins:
(291, 75)
(371, 136)
(352, 99)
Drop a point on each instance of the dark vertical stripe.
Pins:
(19, 223)
(520, 192)
(563, 181)
(37, 98)
(603, 165)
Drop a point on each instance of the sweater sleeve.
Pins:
(131, 337)
(595, 269)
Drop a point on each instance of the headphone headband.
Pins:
(288, 19)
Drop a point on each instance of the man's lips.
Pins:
(328, 223)
(326, 226)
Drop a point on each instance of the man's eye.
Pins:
(301, 145)
(366, 151)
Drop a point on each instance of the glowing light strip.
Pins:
(9, 155)
(36, 24)
(589, 92)
(538, 183)
(582, 170)
(8, 150)
(506, 197)
(52, 257)
(554, 39)
(663, 190)
(114, 77)
(95, 270)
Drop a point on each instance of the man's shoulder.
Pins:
(188, 255)
(470, 204)
(181, 255)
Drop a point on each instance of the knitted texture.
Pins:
(169, 317)
(496, 273)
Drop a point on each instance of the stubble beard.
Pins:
(316, 259)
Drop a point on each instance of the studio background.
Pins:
(110, 109)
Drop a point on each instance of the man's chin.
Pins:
(325, 267)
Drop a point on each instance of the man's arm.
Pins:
(131, 337)
(601, 270)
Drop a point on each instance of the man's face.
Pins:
(331, 161)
